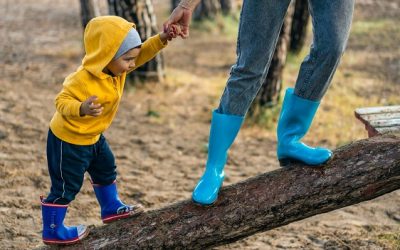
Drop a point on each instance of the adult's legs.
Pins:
(259, 28)
(331, 23)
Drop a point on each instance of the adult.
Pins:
(260, 24)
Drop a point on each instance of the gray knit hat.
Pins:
(132, 40)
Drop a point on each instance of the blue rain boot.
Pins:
(112, 208)
(294, 121)
(224, 129)
(54, 230)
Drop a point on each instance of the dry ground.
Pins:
(161, 157)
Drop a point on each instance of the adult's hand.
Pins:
(180, 16)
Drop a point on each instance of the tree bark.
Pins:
(268, 96)
(298, 32)
(207, 9)
(89, 10)
(142, 14)
(226, 6)
(358, 172)
(174, 4)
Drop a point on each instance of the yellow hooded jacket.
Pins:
(103, 37)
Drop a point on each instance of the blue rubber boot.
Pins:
(294, 121)
(112, 208)
(54, 230)
(224, 129)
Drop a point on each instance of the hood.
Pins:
(103, 37)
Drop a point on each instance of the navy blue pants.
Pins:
(68, 163)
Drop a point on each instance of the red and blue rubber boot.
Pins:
(54, 230)
(112, 208)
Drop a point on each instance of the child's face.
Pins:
(124, 63)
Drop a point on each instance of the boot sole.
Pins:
(286, 162)
(66, 243)
(130, 214)
(203, 205)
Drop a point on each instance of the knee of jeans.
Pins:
(245, 75)
(334, 51)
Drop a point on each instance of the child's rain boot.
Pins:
(112, 208)
(54, 230)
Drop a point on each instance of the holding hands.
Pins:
(172, 32)
(180, 17)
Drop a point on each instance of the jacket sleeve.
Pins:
(67, 101)
(150, 49)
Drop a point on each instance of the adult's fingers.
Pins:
(174, 18)
(184, 32)
(166, 26)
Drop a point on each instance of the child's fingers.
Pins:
(96, 112)
(172, 35)
(94, 105)
(91, 99)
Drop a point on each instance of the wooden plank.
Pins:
(389, 130)
(385, 123)
(380, 120)
(378, 110)
(381, 116)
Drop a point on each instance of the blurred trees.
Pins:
(89, 9)
(209, 8)
(299, 26)
(226, 6)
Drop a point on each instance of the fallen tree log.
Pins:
(358, 172)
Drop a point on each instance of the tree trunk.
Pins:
(299, 26)
(174, 4)
(89, 9)
(141, 13)
(268, 96)
(207, 9)
(226, 6)
(358, 172)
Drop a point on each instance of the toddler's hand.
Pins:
(173, 31)
(88, 107)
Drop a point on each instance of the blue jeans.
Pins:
(68, 163)
(260, 24)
